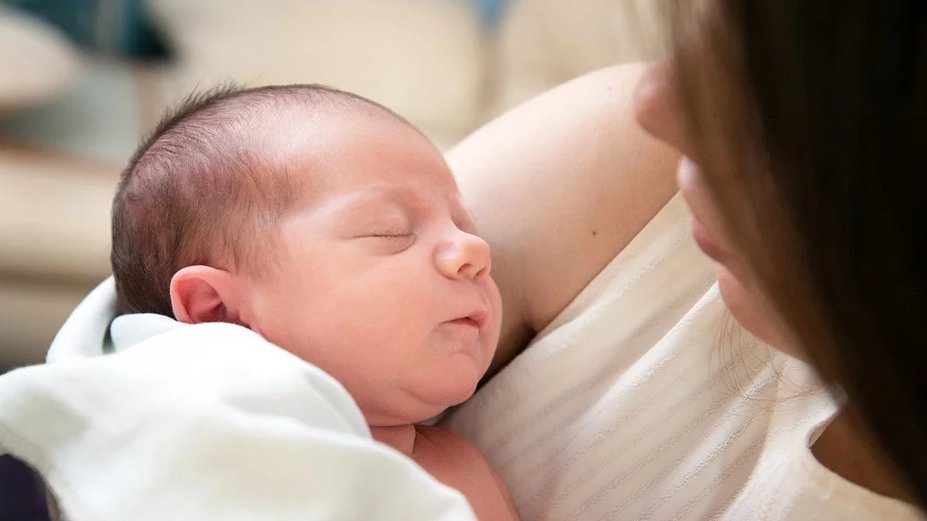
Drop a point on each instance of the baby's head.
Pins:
(322, 221)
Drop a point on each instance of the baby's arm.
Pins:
(457, 464)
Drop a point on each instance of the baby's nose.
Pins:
(464, 255)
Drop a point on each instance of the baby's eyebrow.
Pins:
(408, 201)
(369, 202)
(376, 199)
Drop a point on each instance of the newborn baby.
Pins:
(334, 228)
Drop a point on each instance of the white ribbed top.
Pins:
(634, 404)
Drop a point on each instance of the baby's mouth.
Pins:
(466, 321)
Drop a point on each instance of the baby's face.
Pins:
(378, 277)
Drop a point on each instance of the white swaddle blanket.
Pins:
(635, 404)
(201, 422)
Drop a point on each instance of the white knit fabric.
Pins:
(636, 404)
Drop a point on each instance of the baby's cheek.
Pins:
(496, 298)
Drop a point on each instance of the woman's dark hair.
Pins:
(811, 117)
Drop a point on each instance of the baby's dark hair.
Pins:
(198, 192)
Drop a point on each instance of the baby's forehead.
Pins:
(339, 145)
(293, 115)
(296, 136)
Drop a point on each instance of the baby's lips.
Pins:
(476, 318)
(479, 316)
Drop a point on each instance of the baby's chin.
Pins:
(419, 405)
(394, 418)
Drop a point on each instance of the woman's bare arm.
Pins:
(559, 186)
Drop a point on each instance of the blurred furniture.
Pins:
(70, 118)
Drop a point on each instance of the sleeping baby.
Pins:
(333, 228)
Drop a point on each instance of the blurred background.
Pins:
(81, 81)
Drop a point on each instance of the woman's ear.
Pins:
(205, 294)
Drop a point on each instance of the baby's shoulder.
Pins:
(442, 442)
(450, 458)
(458, 464)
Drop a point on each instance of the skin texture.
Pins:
(456, 463)
(386, 269)
(377, 276)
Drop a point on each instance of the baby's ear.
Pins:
(204, 294)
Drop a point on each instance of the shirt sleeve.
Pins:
(208, 422)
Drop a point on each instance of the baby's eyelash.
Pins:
(390, 235)
(395, 242)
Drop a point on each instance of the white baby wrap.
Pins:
(205, 422)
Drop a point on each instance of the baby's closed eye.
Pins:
(385, 232)
(391, 239)
(388, 235)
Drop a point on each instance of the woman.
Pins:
(815, 196)
(800, 124)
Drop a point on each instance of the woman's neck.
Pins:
(399, 437)
(846, 450)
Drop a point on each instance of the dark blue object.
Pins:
(120, 27)
(490, 10)
(22, 492)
